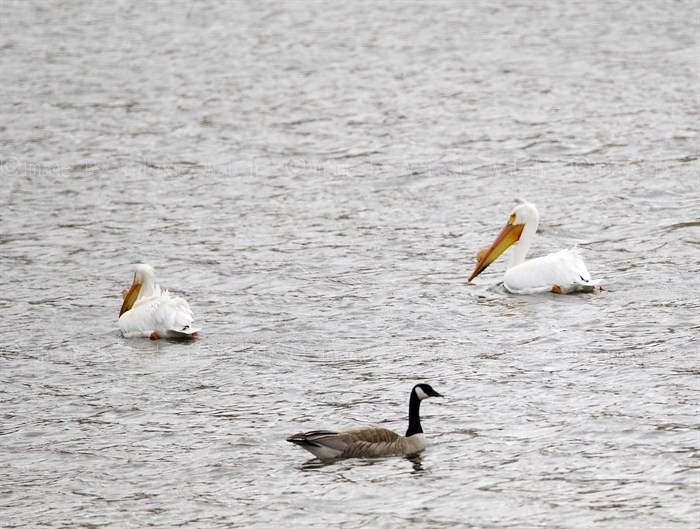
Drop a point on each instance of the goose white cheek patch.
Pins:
(421, 394)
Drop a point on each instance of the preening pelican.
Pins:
(149, 312)
(562, 272)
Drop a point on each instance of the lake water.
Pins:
(316, 178)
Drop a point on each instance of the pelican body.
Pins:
(562, 272)
(147, 311)
(370, 441)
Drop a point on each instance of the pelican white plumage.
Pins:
(147, 311)
(562, 272)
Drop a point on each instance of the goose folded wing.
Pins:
(320, 438)
(368, 435)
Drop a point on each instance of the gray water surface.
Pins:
(316, 178)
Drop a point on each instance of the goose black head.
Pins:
(423, 391)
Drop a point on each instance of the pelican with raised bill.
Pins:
(562, 272)
(148, 311)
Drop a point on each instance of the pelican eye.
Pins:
(511, 220)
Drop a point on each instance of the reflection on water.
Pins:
(315, 464)
(417, 464)
(316, 180)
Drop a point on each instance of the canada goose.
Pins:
(370, 441)
(150, 312)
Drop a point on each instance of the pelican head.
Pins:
(144, 274)
(522, 214)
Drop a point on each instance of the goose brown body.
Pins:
(361, 442)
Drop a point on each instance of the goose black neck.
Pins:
(413, 415)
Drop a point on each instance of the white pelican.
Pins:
(148, 311)
(562, 272)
